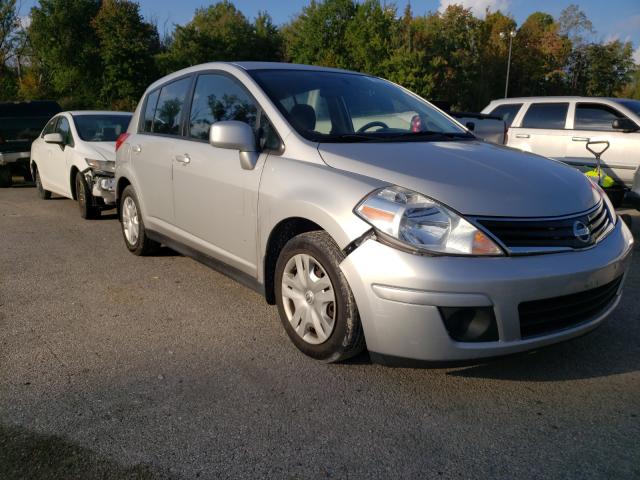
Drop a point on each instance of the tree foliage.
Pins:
(102, 53)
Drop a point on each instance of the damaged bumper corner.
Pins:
(102, 185)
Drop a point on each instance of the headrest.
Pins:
(303, 116)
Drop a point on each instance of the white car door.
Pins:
(541, 129)
(54, 171)
(215, 200)
(593, 120)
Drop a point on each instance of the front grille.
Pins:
(518, 235)
(552, 314)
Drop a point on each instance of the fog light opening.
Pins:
(470, 324)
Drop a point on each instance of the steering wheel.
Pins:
(369, 125)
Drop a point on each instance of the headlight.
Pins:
(423, 224)
(102, 165)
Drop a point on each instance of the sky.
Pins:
(612, 19)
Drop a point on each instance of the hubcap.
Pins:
(130, 222)
(308, 298)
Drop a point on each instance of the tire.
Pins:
(133, 231)
(5, 176)
(42, 193)
(85, 200)
(323, 322)
(27, 176)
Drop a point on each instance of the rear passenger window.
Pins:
(216, 98)
(150, 111)
(593, 116)
(507, 112)
(166, 119)
(546, 115)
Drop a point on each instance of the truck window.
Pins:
(507, 112)
(593, 116)
(546, 115)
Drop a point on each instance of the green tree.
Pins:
(66, 50)
(127, 46)
(9, 27)
(219, 32)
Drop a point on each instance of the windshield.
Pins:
(346, 107)
(101, 128)
(633, 105)
(21, 128)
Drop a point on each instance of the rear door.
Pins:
(153, 149)
(542, 130)
(593, 120)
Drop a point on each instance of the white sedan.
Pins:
(74, 157)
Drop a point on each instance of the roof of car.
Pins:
(95, 112)
(551, 98)
(284, 66)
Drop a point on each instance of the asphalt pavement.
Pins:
(116, 366)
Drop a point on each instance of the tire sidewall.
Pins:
(84, 208)
(332, 348)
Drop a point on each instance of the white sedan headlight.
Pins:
(102, 165)
(423, 224)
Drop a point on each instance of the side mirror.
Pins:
(54, 138)
(236, 135)
(471, 126)
(624, 124)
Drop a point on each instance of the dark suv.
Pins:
(20, 124)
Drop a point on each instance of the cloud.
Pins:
(25, 21)
(478, 7)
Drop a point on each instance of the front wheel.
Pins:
(42, 193)
(316, 306)
(85, 199)
(133, 231)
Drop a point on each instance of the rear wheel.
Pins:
(85, 199)
(315, 303)
(42, 193)
(5, 176)
(133, 231)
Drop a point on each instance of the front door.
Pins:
(593, 121)
(215, 200)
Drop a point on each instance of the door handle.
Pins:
(184, 159)
(522, 135)
(580, 139)
(136, 148)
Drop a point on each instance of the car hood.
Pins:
(472, 177)
(103, 150)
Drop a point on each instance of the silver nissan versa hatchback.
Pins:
(367, 215)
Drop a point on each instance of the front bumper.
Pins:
(398, 295)
(103, 185)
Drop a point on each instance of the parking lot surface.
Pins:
(116, 366)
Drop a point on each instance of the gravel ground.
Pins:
(114, 366)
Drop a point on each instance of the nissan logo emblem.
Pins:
(581, 231)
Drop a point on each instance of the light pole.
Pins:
(511, 36)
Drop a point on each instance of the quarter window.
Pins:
(216, 98)
(546, 115)
(168, 113)
(150, 110)
(507, 112)
(592, 116)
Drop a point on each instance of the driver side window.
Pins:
(64, 129)
(50, 127)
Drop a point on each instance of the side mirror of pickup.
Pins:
(624, 124)
(235, 135)
(54, 138)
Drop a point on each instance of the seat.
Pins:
(303, 116)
